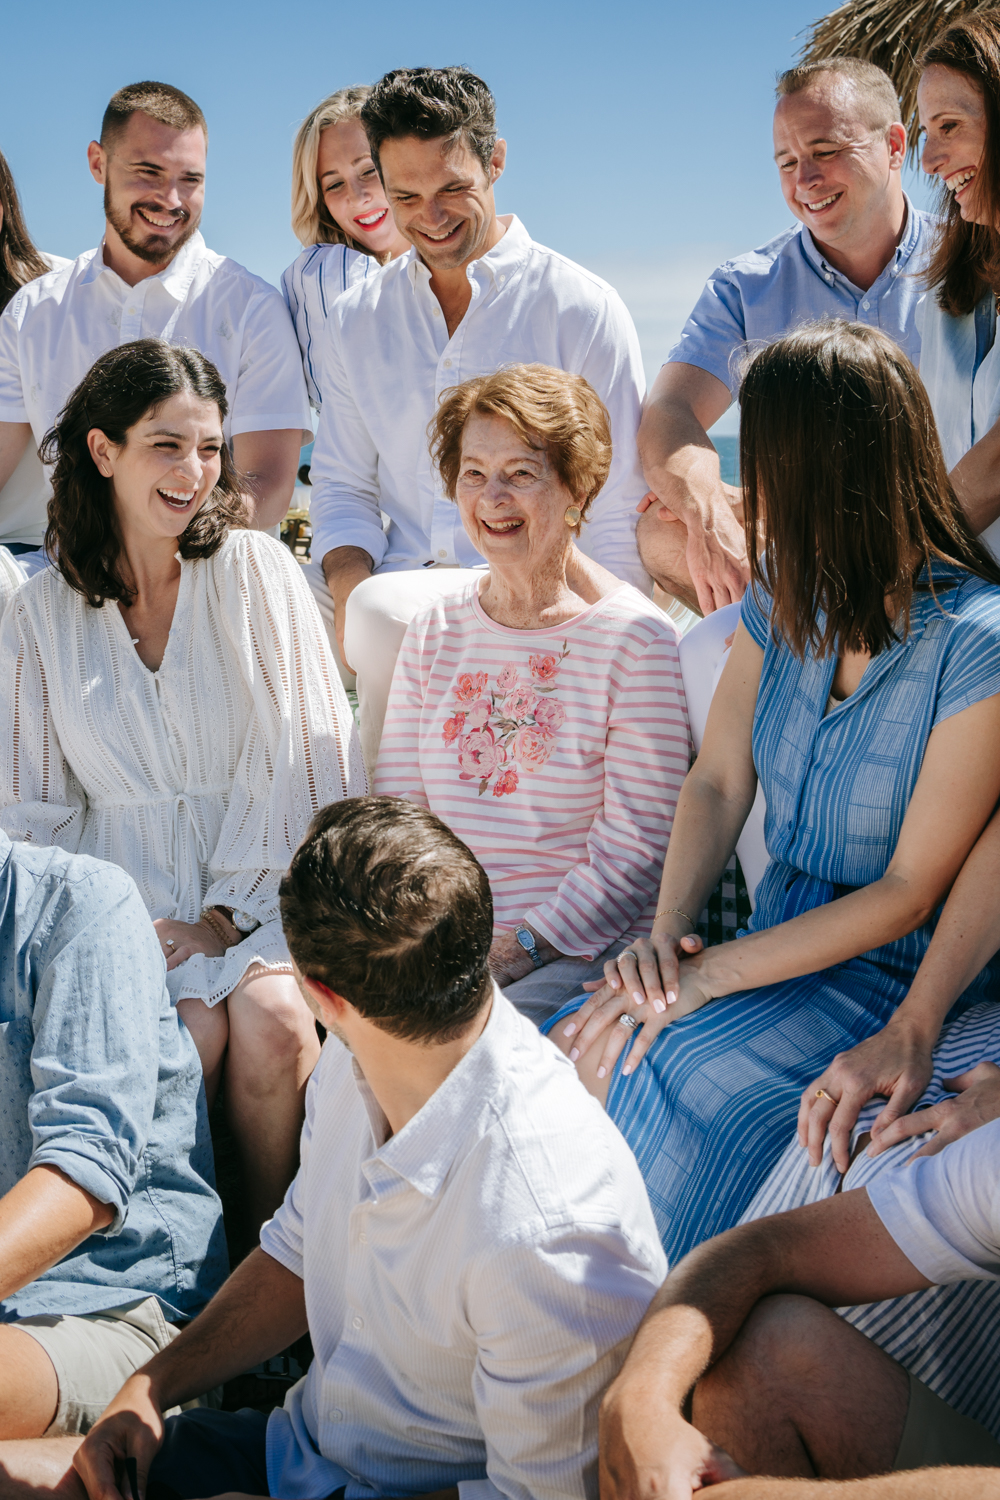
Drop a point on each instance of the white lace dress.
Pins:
(200, 779)
(12, 575)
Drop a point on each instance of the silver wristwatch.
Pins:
(526, 938)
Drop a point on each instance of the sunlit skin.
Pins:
(840, 177)
(353, 193)
(953, 122)
(442, 199)
(154, 192)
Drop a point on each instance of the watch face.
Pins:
(525, 939)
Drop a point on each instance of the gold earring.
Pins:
(573, 515)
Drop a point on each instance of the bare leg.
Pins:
(662, 543)
(40, 1470)
(273, 1048)
(29, 1390)
(800, 1392)
(209, 1028)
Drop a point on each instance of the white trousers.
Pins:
(378, 612)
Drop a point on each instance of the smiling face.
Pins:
(512, 502)
(838, 175)
(352, 192)
(441, 198)
(166, 469)
(154, 186)
(954, 122)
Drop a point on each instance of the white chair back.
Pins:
(703, 653)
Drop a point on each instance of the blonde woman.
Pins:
(339, 213)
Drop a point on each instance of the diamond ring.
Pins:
(631, 1023)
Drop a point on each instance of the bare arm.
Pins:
(269, 462)
(344, 568)
(837, 1251)
(976, 478)
(260, 1310)
(915, 1484)
(897, 1061)
(43, 1218)
(681, 468)
(14, 439)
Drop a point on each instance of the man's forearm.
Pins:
(44, 1217)
(14, 439)
(915, 1484)
(344, 568)
(260, 1311)
(976, 478)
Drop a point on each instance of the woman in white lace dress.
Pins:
(172, 706)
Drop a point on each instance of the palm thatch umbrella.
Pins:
(891, 33)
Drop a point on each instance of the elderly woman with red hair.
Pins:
(540, 712)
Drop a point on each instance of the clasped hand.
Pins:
(179, 940)
(648, 980)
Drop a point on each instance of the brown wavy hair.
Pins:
(547, 408)
(966, 259)
(841, 464)
(19, 260)
(120, 388)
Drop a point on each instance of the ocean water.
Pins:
(728, 449)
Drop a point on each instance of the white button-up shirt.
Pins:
(54, 329)
(386, 361)
(471, 1283)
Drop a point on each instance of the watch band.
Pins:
(526, 938)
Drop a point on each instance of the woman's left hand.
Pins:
(976, 1102)
(607, 1006)
(179, 940)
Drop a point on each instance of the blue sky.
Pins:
(639, 133)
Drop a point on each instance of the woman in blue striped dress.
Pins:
(863, 688)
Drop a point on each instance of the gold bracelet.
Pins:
(210, 919)
(675, 911)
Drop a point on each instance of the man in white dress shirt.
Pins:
(468, 1238)
(474, 293)
(153, 275)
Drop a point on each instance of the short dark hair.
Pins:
(161, 101)
(386, 907)
(841, 460)
(118, 390)
(450, 103)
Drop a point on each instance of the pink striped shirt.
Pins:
(557, 755)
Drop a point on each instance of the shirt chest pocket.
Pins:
(16, 1040)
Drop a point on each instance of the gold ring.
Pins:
(822, 1094)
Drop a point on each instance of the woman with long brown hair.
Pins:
(863, 688)
(20, 507)
(171, 705)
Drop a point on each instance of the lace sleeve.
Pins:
(301, 750)
(41, 801)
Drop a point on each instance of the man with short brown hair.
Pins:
(154, 276)
(856, 254)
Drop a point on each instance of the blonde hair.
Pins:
(547, 408)
(311, 221)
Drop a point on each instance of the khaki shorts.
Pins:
(95, 1354)
(935, 1433)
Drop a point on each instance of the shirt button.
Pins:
(829, 277)
(357, 1322)
(442, 552)
(363, 1238)
(447, 364)
(437, 312)
(866, 304)
(131, 312)
(336, 1415)
(502, 279)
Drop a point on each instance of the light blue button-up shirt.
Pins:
(767, 292)
(99, 1078)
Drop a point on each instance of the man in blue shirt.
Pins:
(110, 1227)
(857, 254)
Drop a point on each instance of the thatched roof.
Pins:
(891, 33)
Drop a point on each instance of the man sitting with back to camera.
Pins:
(110, 1228)
(472, 1276)
(857, 253)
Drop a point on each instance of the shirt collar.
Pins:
(175, 279)
(907, 244)
(425, 1149)
(497, 265)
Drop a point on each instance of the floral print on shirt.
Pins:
(502, 731)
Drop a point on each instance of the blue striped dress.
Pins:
(711, 1108)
